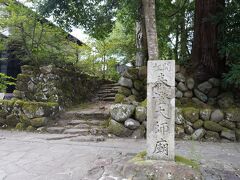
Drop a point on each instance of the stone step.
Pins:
(55, 130)
(110, 85)
(88, 122)
(82, 132)
(88, 139)
(106, 95)
(107, 92)
(86, 115)
(109, 99)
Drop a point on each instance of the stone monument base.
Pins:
(159, 170)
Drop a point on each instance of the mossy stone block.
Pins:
(191, 114)
(198, 124)
(119, 98)
(39, 122)
(213, 126)
(125, 91)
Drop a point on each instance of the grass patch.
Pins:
(189, 162)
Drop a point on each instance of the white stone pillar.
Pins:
(161, 109)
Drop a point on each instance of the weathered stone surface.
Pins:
(141, 113)
(131, 73)
(182, 87)
(203, 97)
(179, 119)
(217, 115)
(205, 87)
(161, 110)
(205, 114)
(131, 124)
(179, 131)
(211, 101)
(125, 91)
(125, 82)
(188, 94)
(226, 100)
(11, 120)
(238, 135)
(213, 92)
(232, 114)
(118, 129)
(198, 134)
(39, 122)
(142, 73)
(228, 134)
(179, 94)
(177, 68)
(228, 124)
(212, 136)
(212, 126)
(198, 124)
(188, 129)
(46, 69)
(215, 82)
(141, 169)
(238, 125)
(20, 126)
(191, 114)
(190, 83)
(119, 98)
(198, 102)
(180, 77)
(139, 133)
(135, 92)
(138, 85)
(55, 130)
(121, 112)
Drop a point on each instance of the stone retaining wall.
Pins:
(42, 92)
(51, 84)
(207, 111)
(26, 115)
(190, 123)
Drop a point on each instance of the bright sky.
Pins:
(78, 33)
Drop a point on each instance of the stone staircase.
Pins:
(107, 92)
(83, 121)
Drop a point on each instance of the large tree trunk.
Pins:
(141, 38)
(151, 29)
(205, 55)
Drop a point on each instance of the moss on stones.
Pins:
(118, 129)
(20, 126)
(144, 103)
(138, 85)
(213, 126)
(198, 124)
(191, 114)
(125, 91)
(30, 129)
(119, 98)
(189, 162)
(38, 122)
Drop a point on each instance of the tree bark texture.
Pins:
(205, 57)
(151, 29)
(141, 38)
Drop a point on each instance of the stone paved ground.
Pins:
(27, 156)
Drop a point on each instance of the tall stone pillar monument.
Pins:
(161, 109)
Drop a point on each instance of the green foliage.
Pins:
(96, 17)
(230, 41)
(5, 81)
(37, 40)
